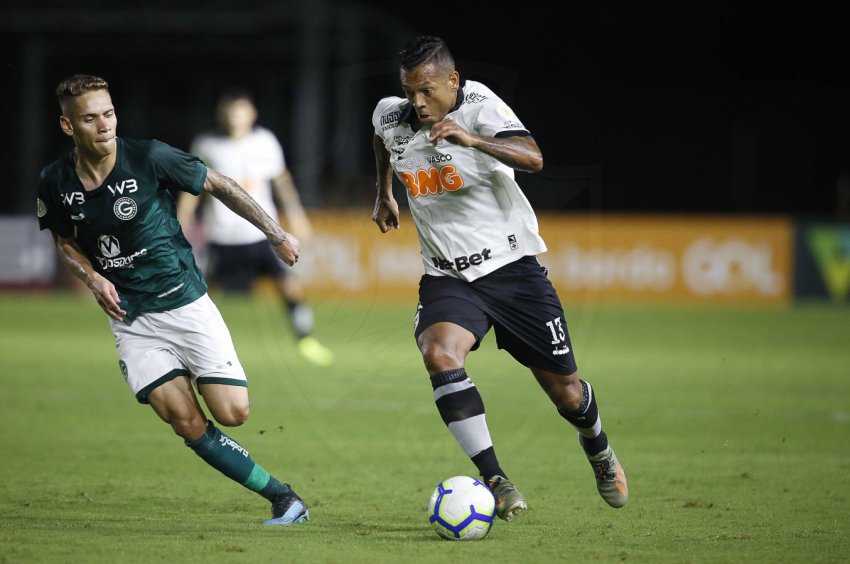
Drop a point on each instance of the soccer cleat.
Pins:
(509, 500)
(288, 509)
(610, 477)
(315, 352)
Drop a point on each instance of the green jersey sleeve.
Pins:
(49, 209)
(179, 170)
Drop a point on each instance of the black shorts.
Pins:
(518, 300)
(234, 267)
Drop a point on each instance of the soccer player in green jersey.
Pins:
(110, 205)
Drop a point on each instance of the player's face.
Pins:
(238, 117)
(431, 90)
(91, 121)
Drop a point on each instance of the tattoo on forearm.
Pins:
(234, 197)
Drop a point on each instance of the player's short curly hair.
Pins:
(426, 49)
(78, 85)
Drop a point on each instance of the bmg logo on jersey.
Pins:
(125, 208)
(432, 180)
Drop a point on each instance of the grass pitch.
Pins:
(733, 427)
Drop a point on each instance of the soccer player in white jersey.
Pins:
(238, 251)
(454, 145)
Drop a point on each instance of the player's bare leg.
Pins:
(576, 403)
(444, 347)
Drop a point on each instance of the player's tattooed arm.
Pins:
(385, 213)
(518, 152)
(234, 197)
(75, 260)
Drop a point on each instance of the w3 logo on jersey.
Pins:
(72, 198)
(128, 186)
(431, 181)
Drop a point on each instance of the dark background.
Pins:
(724, 107)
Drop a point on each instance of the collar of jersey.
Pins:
(408, 115)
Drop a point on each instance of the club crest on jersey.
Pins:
(125, 208)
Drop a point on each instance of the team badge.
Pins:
(40, 208)
(124, 372)
(125, 208)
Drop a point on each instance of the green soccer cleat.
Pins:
(610, 477)
(509, 500)
(288, 509)
(315, 352)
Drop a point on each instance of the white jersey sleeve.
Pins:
(496, 118)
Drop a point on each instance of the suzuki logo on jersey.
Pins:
(108, 246)
(432, 181)
(125, 208)
(129, 186)
(72, 198)
(462, 262)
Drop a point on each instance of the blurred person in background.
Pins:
(454, 145)
(238, 251)
(110, 205)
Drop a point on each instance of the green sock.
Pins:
(228, 457)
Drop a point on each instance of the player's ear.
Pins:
(454, 80)
(65, 126)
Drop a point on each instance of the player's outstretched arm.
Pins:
(72, 256)
(520, 153)
(234, 197)
(385, 213)
(287, 195)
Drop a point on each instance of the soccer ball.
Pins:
(462, 508)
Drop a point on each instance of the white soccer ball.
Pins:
(462, 508)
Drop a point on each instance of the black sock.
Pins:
(487, 464)
(587, 422)
(462, 409)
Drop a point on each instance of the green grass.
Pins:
(733, 427)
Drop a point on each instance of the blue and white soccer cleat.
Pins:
(288, 509)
